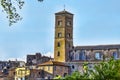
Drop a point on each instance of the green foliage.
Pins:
(76, 76)
(106, 70)
(11, 7)
(58, 77)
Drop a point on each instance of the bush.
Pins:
(106, 70)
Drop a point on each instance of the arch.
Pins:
(98, 55)
(58, 54)
(82, 55)
(58, 44)
(115, 55)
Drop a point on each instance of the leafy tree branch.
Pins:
(11, 7)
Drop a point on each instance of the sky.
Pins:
(96, 22)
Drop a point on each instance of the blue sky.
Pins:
(96, 22)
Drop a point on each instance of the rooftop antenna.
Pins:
(64, 7)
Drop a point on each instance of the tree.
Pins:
(106, 70)
(10, 7)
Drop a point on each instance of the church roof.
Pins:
(52, 63)
(63, 12)
(98, 47)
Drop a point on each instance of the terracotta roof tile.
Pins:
(53, 63)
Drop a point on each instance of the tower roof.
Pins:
(63, 12)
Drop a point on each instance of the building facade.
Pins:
(54, 68)
(36, 59)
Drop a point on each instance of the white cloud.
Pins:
(49, 54)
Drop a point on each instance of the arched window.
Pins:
(59, 22)
(58, 54)
(68, 35)
(73, 66)
(58, 44)
(98, 56)
(115, 55)
(69, 23)
(76, 56)
(82, 55)
(60, 34)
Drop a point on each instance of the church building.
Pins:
(70, 57)
(75, 56)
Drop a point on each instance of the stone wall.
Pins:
(94, 54)
(61, 70)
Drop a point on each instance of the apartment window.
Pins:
(58, 54)
(59, 23)
(59, 34)
(58, 44)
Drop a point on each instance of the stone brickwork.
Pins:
(61, 70)
(37, 59)
(63, 35)
(91, 53)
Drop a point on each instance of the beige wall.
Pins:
(48, 69)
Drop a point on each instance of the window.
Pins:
(82, 55)
(48, 68)
(58, 44)
(73, 67)
(59, 23)
(115, 55)
(42, 68)
(68, 35)
(39, 73)
(98, 55)
(58, 54)
(59, 34)
(69, 23)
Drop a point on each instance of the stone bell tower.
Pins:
(63, 41)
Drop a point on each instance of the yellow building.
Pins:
(53, 68)
(21, 72)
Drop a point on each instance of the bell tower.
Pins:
(63, 41)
